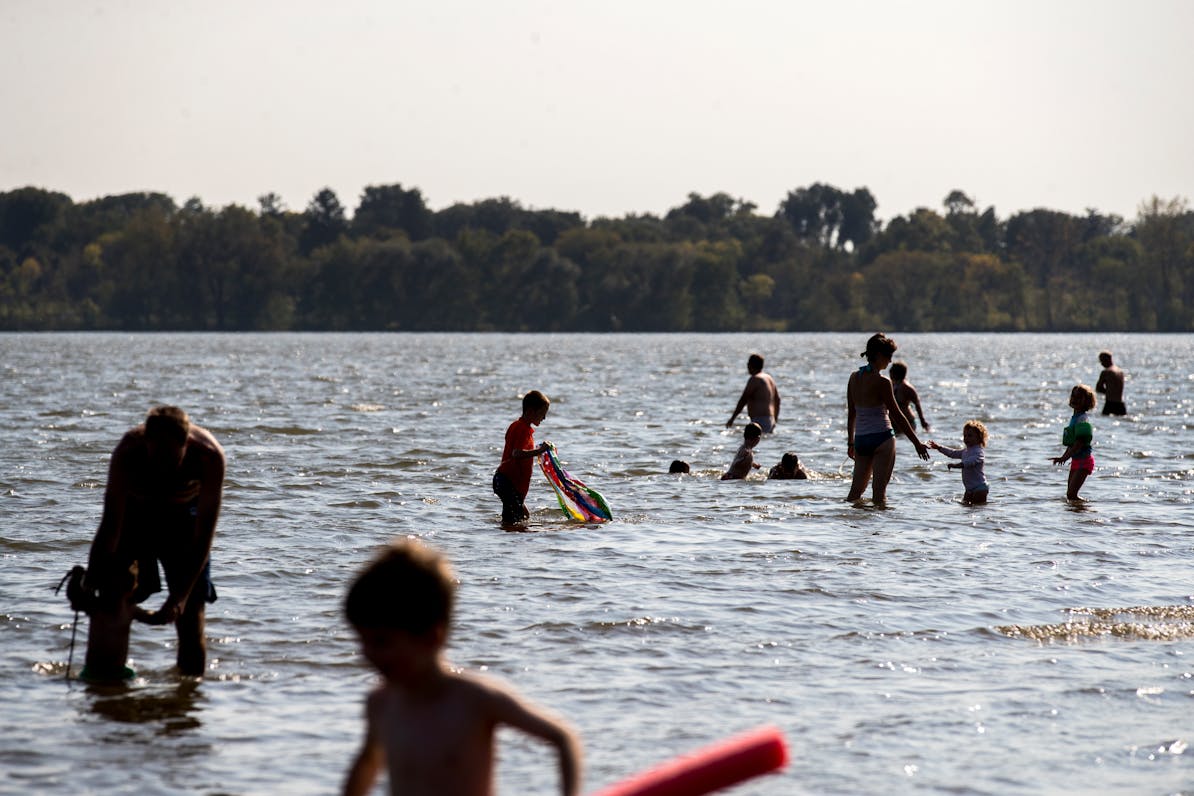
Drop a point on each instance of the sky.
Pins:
(603, 107)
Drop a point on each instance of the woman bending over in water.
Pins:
(870, 409)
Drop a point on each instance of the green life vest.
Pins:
(1076, 431)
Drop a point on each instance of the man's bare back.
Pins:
(760, 397)
(1111, 385)
(161, 504)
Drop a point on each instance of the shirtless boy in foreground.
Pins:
(431, 725)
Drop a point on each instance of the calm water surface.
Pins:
(1028, 646)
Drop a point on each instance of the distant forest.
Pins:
(820, 262)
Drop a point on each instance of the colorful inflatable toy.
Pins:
(578, 501)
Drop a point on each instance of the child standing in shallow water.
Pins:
(974, 481)
(512, 480)
(1078, 437)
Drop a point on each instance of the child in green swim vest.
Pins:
(1078, 438)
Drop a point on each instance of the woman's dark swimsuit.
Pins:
(867, 444)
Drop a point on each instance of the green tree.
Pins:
(922, 230)
(30, 215)
(324, 221)
(1165, 230)
(715, 301)
(829, 216)
(1043, 241)
(386, 209)
(141, 275)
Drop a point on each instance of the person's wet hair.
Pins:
(978, 427)
(879, 345)
(1088, 397)
(534, 400)
(167, 424)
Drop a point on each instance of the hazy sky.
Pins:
(606, 107)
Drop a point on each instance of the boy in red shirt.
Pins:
(512, 480)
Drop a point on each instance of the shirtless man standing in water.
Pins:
(760, 398)
(165, 482)
(907, 396)
(1111, 384)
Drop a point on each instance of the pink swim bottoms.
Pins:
(1085, 464)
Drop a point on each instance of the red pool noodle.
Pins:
(710, 768)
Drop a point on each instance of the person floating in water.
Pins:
(907, 396)
(1078, 437)
(679, 466)
(871, 409)
(1111, 384)
(972, 456)
(165, 482)
(789, 467)
(429, 724)
(744, 459)
(760, 397)
(512, 480)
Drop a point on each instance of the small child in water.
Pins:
(1078, 437)
(789, 467)
(430, 725)
(974, 481)
(679, 466)
(744, 459)
(108, 629)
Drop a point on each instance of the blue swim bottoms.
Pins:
(765, 423)
(867, 444)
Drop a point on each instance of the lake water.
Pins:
(1026, 646)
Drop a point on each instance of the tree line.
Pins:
(820, 262)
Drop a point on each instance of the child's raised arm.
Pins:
(507, 707)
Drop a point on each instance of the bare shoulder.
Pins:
(495, 699)
(500, 704)
(481, 687)
(380, 701)
(205, 441)
(131, 440)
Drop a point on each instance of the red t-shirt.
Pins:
(519, 436)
